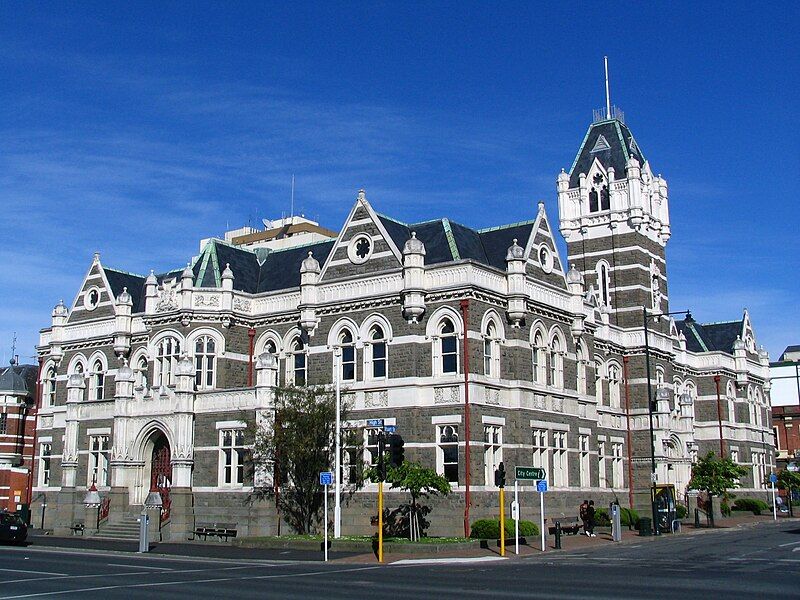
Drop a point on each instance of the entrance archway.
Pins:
(161, 471)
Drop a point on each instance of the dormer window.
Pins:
(598, 196)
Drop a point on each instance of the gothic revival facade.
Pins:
(152, 381)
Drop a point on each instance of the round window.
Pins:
(360, 248)
(91, 298)
(545, 258)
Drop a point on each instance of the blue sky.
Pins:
(135, 129)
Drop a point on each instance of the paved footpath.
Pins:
(756, 561)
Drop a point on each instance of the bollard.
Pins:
(558, 536)
(616, 525)
(144, 544)
(696, 519)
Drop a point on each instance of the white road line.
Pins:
(138, 567)
(788, 544)
(441, 561)
(130, 573)
(34, 572)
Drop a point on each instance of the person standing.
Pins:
(590, 519)
(583, 513)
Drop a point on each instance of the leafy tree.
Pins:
(293, 445)
(420, 482)
(716, 476)
(789, 481)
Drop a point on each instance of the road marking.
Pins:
(441, 561)
(130, 573)
(139, 567)
(788, 544)
(34, 572)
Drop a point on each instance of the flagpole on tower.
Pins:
(608, 93)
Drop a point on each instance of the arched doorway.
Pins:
(161, 471)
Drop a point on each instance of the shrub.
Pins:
(680, 511)
(629, 518)
(602, 518)
(751, 504)
(489, 529)
(725, 509)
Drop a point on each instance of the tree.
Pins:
(789, 481)
(716, 476)
(293, 445)
(420, 482)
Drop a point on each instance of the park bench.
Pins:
(223, 531)
(567, 528)
(77, 529)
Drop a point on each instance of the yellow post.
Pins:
(380, 521)
(502, 522)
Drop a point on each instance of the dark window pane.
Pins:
(379, 368)
(451, 472)
(450, 454)
(449, 363)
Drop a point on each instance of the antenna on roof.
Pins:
(292, 212)
(608, 93)
(14, 347)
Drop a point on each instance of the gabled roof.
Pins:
(119, 280)
(18, 379)
(619, 146)
(710, 337)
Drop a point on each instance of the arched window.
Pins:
(141, 372)
(491, 351)
(730, 395)
(603, 282)
(296, 362)
(539, 359)
(348, 360)
(580, 354)
(168, 352)
(598, 195)
(614, 378)
(556, 363)
(594, 204)
(688, 409)
(446, 347)
(49, 397)
(79, 369)
(205, 362)
(376, 353)
(605, 201)
(598, 382)
(97, 381)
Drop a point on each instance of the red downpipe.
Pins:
(36, 404)
(251, 333)
(719, 420)
(628, 420)
(467, 498)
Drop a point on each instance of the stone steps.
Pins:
(120, 530)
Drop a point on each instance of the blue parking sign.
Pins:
(773, 478)
(541, 486)
(325, 478)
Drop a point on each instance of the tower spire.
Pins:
(608, 93)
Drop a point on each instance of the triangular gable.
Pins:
(363, 245)
(94, 282)
(600, 145)
(550, 271)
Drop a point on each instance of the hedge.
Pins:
(751, 504)
(489, 529)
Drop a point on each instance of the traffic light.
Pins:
(500, 476)
(381, 457)
(396, 449)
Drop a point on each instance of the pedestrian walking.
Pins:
(590, 519)
(582, 513)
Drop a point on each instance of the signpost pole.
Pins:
(774, 506)
(516, 517)
(541, 517)
(380, 521)
(326, 523)
(502, 522)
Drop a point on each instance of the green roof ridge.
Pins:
(105, 268)
(509, 226)
(451, 240)
(697, 337)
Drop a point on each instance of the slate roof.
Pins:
(446, 241)
(118, 280)
(19, 378)
(710, 337)
(794, 349)
(621, 146)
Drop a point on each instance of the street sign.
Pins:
(541, 486)
(325, 478)
(390, 428)
(374, 422)
(773, 478)
(530, 473)
(515, 511)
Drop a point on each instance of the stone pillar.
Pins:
(309, 276)
(515, 280)
(70, 509)
(123, 472)
(413, 279)
(181, 498)
(122, 333)
(150, 294)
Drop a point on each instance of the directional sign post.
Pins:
(772, 480)
(541, 487)
(540, 476)
(325, 479)
(515, 514)
(530, 473)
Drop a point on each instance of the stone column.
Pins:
(67, 497)
(181, 509)
(122, 469)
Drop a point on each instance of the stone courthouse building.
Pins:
(151, 381)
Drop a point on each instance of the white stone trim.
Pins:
(98, 431)
(535, 424)
(446, 420)
(231, 425)
(489, 420)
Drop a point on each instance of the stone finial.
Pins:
(414, 245)
(187, 272)
(362, 195)
(515, 251)
(124, 373)
(310, 264)
(151, 279)
(60, 310)
(541, 207)
(227, 273)
(124, 297)
(574, 276)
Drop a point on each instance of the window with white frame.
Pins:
(49, 396)
(540, 451)
(758, 400)
(168, 352)
(601, 464)
(751, 406)
(759, 468)
(97, 381)
(583, 448)
(598, 382)
(347, 362)
(616, 465)
(777, 439)
(140, 372)
(3, 423)
(735, 455)
(560, 466)
(556, 363)
(687, 410)
(79, 369)
(491, 351)
(614, 378)
(492, 451)
(447, 452)
(371, 447)
(205, 362)
(539, 359)
(231, 457)
(45, 454)
(730, 395)
(446, 347)
(375, 353)
(580, 354)
(296, 362)
(99, 452)
(603, 283)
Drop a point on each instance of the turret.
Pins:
(227, 289)
(309, 277)
(122, 332)
(740, 361)
(187, 284)
(150, 294)
(576, 289)
(60, 315)
(515, 279)
(413, 279)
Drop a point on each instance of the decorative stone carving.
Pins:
(376, 398)
(210, 301)
(446, 395)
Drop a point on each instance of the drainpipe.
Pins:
(719, 420)
(625, 360)
(251, 333)
(37, 402)
(467, 498)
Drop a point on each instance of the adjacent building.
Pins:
(785, 395)
(150, 382)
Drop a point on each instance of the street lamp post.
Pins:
(337, 506)
(91, 500)
(153, 501)
(653, 476)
